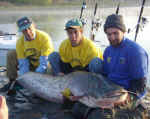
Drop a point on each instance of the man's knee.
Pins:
(54, 61)
(53, 57)
(96, 65)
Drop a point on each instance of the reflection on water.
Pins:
(53, 21)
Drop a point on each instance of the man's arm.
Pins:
(138, 86)
(22, 61)
(43, 64)
(47, 48)
(23, 66)
(138, 70)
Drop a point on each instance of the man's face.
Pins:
(115, 36)
(75, 36)
(29, 33)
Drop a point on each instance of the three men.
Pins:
(125, 62)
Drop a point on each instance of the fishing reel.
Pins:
(95, 27)
(84, 5)
(96, 24)
(143, 23)
(84, 21)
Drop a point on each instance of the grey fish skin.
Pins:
(45, 86)
(3, 80)
(91, 86)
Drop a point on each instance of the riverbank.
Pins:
(126, 11)
(73, 4)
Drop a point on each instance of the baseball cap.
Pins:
(24, 23)
(74, 23)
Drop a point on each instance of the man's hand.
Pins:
(67, 94)
(138, 85)
(60, 74)
(75, 98)
(3, 108)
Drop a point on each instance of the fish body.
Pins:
(93, 88)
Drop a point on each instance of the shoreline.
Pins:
(127, 11)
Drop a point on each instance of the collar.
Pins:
(121, 44)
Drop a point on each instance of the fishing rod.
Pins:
(139, 20)
(118, 8)
(95, 10)
(7, 34)
(82, 8)
(94, 23)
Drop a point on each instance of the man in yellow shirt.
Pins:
(76, 52)
(32, 50)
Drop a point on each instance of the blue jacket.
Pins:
(124, 63)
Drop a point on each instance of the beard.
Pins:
(115, 42)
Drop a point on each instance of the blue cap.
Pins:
(73, 23)
(24, 23)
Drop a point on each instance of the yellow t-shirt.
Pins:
(40, 46)
(80, 55)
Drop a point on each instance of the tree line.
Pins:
(39, 2)
(49, 2)
(28, 2)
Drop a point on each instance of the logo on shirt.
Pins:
(32, 54)
(108, 59)
(122, 60)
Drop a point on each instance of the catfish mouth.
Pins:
(115, 94)
(113, 99)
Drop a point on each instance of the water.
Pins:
(53, 21)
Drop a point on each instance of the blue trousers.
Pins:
(59, 66)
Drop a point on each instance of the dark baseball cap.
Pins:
(24, 23)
